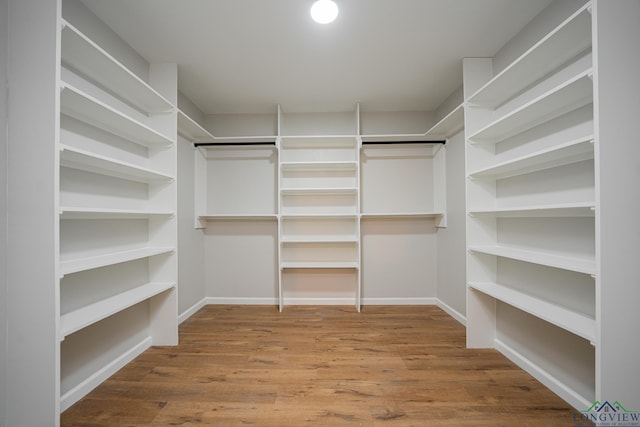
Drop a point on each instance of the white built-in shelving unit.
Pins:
(318, 179)
(117, 209)
(532, 209)
(318, 194)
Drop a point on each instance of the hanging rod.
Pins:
(401, 142)
(239, 143)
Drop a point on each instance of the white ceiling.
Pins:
(238, 56)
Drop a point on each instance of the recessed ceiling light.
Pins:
(324, 11)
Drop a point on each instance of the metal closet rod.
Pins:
(401, 142)
(219, 144)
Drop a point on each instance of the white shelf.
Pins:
(449, 125)
(317, 191)
(81, 54)
(79, 105)
(81, 318)
(338, 265)
(586, 209)
(88, 263)
(402, 215)
(562, 154)
(192, 130)
(318, 166)
(247, 217)
(570, 95)
(313, 141)
(572, 321)
(569, 39)
(319, 239)
(226, 141)
(76, 158)
(386, 138)
(319, 216)
(67, 212)
(579, 265)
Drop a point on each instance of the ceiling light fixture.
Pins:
(324, 11)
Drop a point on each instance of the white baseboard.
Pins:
(398, 301)
(240, 301)
(552, 383)
(82, 389)
(191, 310)
(452, 312)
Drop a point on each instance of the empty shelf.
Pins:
(579, 265)
(92, 313)
(76, 158)
(83, 55)
(565, 318)
(88, 263)
(88, 109)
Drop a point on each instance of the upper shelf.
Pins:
(568, 96)
(568, 40)
(83, 55)
(318, 166)
(84, 107)
(191, 130)
(562, 154)
(449, 125)
(76, 158)
(314, 142)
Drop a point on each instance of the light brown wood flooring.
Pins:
(320, 366)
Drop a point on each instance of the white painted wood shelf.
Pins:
(585, 209)
(192, 130)
(91, 262)
(87, 161)
(562, 261)
(238, 217)
(318, 191)
(566, 41)
(79, 105)
(374, 215)
(88, 315)
(83, 55)
(449, 125)
(570, 320)
(559, 155)
(72, 212)
(320, 265)
(318, 166)
(568, 96)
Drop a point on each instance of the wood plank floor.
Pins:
(320, 366)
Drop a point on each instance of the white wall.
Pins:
(451, 247)
(77, 14)
(3, 212)
(191, 259)
(537, 28)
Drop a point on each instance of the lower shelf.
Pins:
(572, 321)
(351, 265)
(81, 318)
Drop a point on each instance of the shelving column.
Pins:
(318, 193)
(531, 209)
(117, 212)
(617, 103)
(32, 346)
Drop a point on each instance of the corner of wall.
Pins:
(3, 209)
